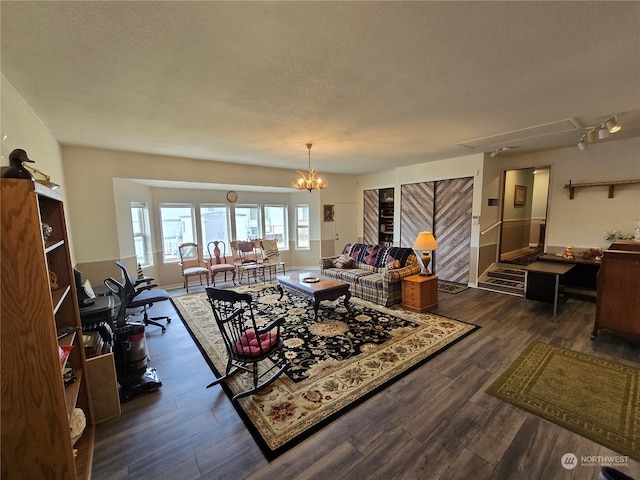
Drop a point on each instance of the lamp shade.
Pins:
(425, 241)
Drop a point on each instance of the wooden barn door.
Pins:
(371, 216)
(416, 211)
(452, 229)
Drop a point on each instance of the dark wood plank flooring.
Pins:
(435, 423)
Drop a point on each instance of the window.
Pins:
(140, 228)
(214, 220)
(275, 225)
(177, 227)
(302, 227)
(247, 222)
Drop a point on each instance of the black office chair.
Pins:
(130, 350)
(143, 296)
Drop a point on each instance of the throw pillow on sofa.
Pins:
(345, 261)
(392, 264)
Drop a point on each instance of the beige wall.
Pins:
(23, 129)
(468, 166)
(583, 221)
(101, 189)
(96, 219)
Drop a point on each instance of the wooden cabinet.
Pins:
(420, 294)
(38, 298)
(618, 290)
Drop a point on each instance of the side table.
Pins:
(420, 294)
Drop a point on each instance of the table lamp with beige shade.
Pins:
(425, 242)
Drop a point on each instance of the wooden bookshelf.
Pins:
(36, 405)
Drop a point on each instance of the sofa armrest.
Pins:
(328, 262)
(396, 275)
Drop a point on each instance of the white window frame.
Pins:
(187, 231)
(299, 227)
(245, 234)
(283, 242)
(142, 237)
(203, 226)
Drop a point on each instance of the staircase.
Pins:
(504, 278)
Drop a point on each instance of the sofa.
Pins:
(374, 272)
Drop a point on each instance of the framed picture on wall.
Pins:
(520, 195)
(328, 213)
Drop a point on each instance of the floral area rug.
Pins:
(337, 361)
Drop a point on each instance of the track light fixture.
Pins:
(500, 150)
(599, 132)
(612, 125)
(592, 136)
(603, 133)
(582, 144)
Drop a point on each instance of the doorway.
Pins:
(525, 199)
(345, 227)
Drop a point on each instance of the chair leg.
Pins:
(154, 320)
(282, 367)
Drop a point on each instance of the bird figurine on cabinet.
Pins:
(16, 168)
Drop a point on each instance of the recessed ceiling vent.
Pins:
(519, 136)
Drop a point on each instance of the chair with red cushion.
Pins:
(247, 344)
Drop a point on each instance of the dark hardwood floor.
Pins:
(435, 423)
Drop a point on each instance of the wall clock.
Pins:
(232, 196)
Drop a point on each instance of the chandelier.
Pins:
(310, 181)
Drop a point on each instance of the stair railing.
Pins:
(499, 222)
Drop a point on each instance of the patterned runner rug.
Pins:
(337, 361)
(591, 396)
(451, 287)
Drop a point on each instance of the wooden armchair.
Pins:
(191, 263)
(218, 261)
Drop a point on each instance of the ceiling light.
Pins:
(612, 125)
(310, 182)
(498, 151)
(602, 133)
(582, 144)
(599, 132)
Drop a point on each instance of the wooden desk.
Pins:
(582, 279)
(537, 284)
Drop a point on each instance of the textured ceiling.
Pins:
(372, 85)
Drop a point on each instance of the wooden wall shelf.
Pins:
(611, 185)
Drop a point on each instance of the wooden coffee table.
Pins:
(322, 289)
